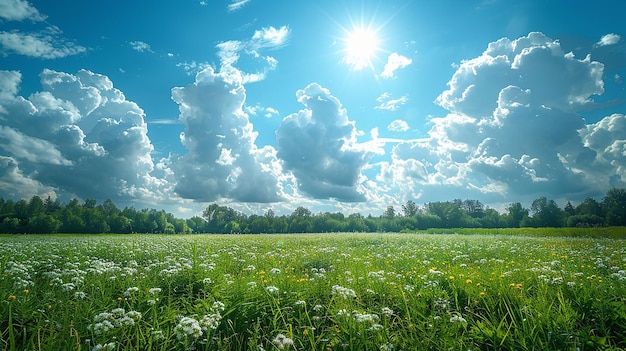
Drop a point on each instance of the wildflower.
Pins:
(79, 295)
(282, 342)
(252, 285)
(300, 303)
(272, 289)
(387, 312)
(275, 271)
(344, 292)
(468, 281)
(130, 290)
(188, 328)
(376, 326)
(12, 297)
(154, 291)
(105, 347)
(25, 291)
(386, 347)
(482, 294)
(458, 319)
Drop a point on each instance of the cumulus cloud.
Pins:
(318, 144)
(19, 10)
(398, 126)
(222, 159)
(395, 61)
(609, 39)
(78, 136)
(515, 130)
(47, 44)
(386, 102)
(15, 185)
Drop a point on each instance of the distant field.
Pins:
(312, 292)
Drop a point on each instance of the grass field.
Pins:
(312, 292)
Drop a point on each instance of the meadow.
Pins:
(312, 292)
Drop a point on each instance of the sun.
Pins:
(361, 46)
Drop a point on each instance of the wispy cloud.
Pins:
(387, 103)
(47, 44)
(140, 46)
(394, 62)
(230, 51)
(162, 121)
(237, 4)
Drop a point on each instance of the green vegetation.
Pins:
(49, 216)
(312, 292)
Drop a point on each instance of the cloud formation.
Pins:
(19, 10)
(229, 52)
(47, 44)
(514, 129)
(223, 160)
(387, 103)
(395, 62)
(79, 136)
(140, 46)
(237, 4)
(398, 126)
(609, 39)
(318, 144)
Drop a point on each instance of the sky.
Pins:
(334, 105)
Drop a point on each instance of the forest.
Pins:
(52, 216)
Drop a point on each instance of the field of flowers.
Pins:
(312, 292)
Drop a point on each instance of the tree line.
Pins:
(51, 216)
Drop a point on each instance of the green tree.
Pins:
(516, 213)
(410, 209)
(546, 213)
(614, 204)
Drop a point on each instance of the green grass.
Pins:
(594, 232)
(312, 292)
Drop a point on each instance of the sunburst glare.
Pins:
(361, 46)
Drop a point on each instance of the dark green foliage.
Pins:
(51, 216)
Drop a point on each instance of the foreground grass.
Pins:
(312, 292)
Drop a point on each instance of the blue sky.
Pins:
(347, 106)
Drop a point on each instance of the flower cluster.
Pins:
(282, 342)
(343, 292)
(190, 329)
(117, 318)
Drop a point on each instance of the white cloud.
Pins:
(230, 51)
(269, 37)
(318, 144)
(15, 185)
(387, 103)
(193, 67)
(78, 136)
(222, 159)
(514, 130)
(394, 62)
(19, 10)
(609, 39)
(237, 4)
(46, 44)
(398, 126)
(140, 46)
